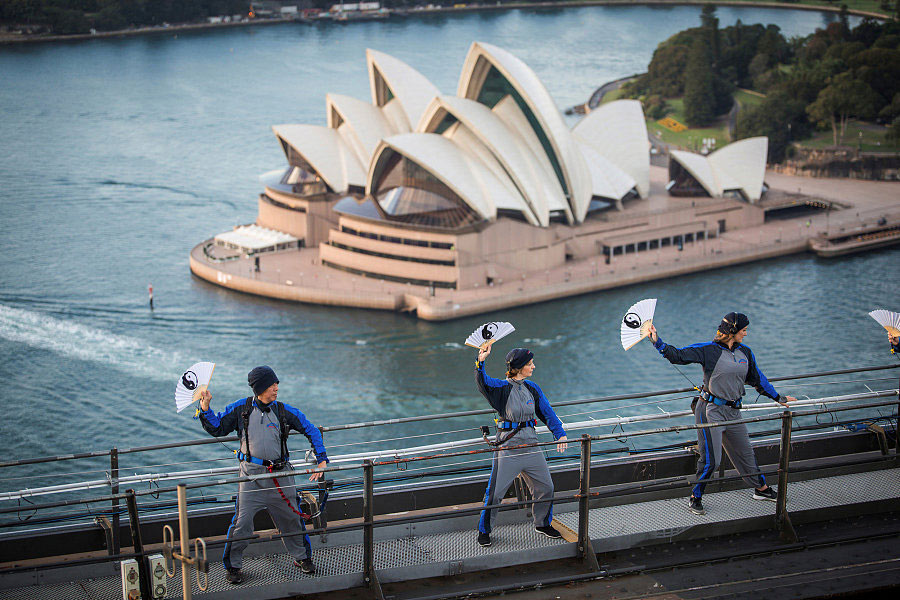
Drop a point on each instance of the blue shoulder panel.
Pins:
(545, 412)
(764, 385)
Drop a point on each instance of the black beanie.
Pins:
(261, 378)
(733, 322)
(518, 357)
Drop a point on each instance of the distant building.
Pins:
(490, 184)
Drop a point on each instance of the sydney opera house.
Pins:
(417, 190)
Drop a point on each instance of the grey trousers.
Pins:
(505, 467)
(735, 440)
(254, 496)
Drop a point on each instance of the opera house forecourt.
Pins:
(451, 205)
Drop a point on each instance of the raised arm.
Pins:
(695, 353)
(223, 423)
(490, 388)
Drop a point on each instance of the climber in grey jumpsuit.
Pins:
(518, 402)
(262, 423)
(727, 366)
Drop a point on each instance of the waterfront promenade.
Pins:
(297, 276)
(430, 9)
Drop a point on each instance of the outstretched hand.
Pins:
(786, 400)
(653, 335)
(562, 445)
(317, 475)
(205, 399)
(894, 339)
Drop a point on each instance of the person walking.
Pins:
(727, 366)
(518, 401)
(262, 424)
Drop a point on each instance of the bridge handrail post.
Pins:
(585, 548)
(134, 520)
(114, 491)
(369, 575)
(782, 517)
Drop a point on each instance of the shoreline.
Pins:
(23, 39)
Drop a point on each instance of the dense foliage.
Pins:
(79, 16)
(836, 74)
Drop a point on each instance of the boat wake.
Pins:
(74, 340)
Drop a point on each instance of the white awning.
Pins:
(252, 239)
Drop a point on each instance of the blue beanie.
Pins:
(518, 357)
(261, 379)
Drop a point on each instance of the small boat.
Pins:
(838, 245)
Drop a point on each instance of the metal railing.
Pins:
(368, 522)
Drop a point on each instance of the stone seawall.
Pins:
(284, 291)
(433, 311)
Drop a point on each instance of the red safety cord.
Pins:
(302, 515)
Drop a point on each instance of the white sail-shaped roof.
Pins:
(509, 112)
(534, 184)
(326, 152)
(561, 147)
(738, 166)
(607, 180)
(361, 124)
(512, 200)
(470, 179)
(742, 165)
(393, 81)
(617, 131)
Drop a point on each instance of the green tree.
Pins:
(843, 98)
(699, 101)
(780, 117)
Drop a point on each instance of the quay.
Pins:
(858, 207)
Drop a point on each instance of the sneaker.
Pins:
(696, 506)
(484, 539)
(766, 494)
(306, 565)
(549, 532)
(234, 576)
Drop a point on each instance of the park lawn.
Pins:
(613, 95)
(689, 138)
(871, 140)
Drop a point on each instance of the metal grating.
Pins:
(657, 519)
(460, 545)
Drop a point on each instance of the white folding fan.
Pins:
(887, 319)
(192, 382)
(636, 322)
(489, 332)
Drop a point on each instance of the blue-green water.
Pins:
(117, 156)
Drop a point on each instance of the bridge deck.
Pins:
(448, 546)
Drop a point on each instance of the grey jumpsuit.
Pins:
(518, 401)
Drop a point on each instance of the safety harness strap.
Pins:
(719, 401)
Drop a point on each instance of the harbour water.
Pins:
(118, 155)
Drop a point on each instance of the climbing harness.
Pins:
(512, 426)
